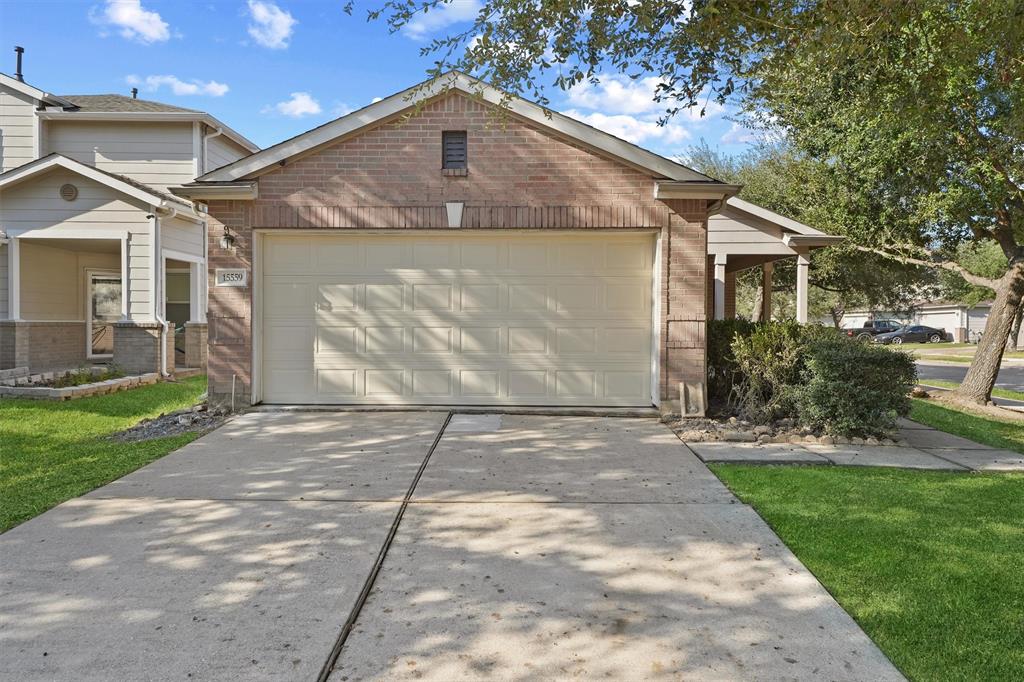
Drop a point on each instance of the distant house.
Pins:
(963, 324)
(99, 262)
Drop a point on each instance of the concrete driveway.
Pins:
(533, 547)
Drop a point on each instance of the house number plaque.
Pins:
(232, 277)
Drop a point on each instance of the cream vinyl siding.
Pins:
(17, 129)
(4, 291)
(488, 319)
(36, 204)
(220, 151)
(182, 235)
(53, 280)
(157, 154)
(727, 233)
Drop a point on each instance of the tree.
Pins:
(915, 106)
(776, 176)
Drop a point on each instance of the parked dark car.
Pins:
(913, 333)
(873, 328)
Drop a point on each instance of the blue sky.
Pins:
(274, 68)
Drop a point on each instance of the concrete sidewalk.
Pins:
(926, 448)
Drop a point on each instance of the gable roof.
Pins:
(795, 233)
(455, 81)
(120, 183)
(33, 92)
(122, 103)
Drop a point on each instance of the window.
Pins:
(453, 149)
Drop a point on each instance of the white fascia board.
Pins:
(67, 232)
(453, 81)
(47, 163)
(812, 241)
(152, 117)
(710, 189)
(29, 91)
(244, 190)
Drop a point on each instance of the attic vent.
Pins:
(68, 192)
(453, 149)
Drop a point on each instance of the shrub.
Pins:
(723, 372)
(854, 389)
(771, 362)
(84, 375)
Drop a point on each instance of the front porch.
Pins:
(744, 236)
(129, 292)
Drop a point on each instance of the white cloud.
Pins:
(623, 95)
(445, 14)
(375, 100)
(633, 128)
(272, 26)
(738, 134)
(301, 104)
(133, 21)
(341, 109)
(180, 87)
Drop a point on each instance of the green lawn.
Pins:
(997, 392)
(965, 359)
(997, 433)
(929, 564)
(937, 346)
(53, 451)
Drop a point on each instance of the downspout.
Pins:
(209, 136)
(158, 278)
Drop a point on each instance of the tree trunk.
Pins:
(981, 376)
(1011, 340)
(837, 316)
(755, 314)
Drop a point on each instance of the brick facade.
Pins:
(42, 346)
(520, 177)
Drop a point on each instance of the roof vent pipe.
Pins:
(19, 50)
(135, 93)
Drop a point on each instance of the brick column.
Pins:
(684, 353)
(13, 344)
(230, 308)
(137, 347)
(195, 344)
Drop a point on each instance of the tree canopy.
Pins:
(915, 107)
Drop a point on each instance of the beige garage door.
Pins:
(484, 319)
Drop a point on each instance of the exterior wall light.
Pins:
(227, 240)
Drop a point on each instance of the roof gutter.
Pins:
(243, 190)
(811, 240)
(718, 192)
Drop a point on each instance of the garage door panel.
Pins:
(484, 319)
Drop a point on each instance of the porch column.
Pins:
(767, 270)
(196, 279)
(126, 278)
(720, 259)
(803, 262)
(14, 278)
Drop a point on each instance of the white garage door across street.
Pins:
(486, 319)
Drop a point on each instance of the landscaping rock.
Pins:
(738, 437)
(826, 440)
(762, 429)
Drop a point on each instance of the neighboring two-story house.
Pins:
(98, 261)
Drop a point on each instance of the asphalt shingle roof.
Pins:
(123, 104)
